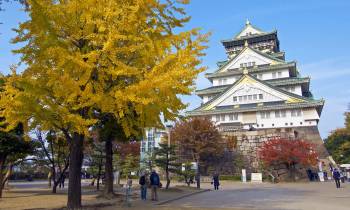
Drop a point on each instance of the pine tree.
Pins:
(123, 57)
(166, 159)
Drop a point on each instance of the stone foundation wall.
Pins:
(248, 141)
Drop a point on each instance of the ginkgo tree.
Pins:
(121, 57)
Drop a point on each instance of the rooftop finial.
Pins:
(247, 22)
(245, 70)
(246, 43)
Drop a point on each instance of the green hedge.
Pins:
(230, 177)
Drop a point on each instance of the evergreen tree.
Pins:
(188, 173)
(96, 160)
(129, 164)
(166, 159)
(338, 142)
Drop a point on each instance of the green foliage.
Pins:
(188, 173)
(129, 164)
(230, 177)
(96, 158)
(13, 145)
(338, 142)
(166, 159)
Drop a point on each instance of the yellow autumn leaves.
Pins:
(112, 56)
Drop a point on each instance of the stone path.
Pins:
(289, 196)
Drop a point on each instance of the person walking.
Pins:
(155, 182)
(143, 184)
(216, 181)
(63, 180)
(336, 176)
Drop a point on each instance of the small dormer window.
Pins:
(273, 75)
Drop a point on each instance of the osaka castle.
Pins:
(256, 88)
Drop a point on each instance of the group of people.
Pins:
(153, 181)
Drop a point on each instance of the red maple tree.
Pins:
(288, 153)
(128, 148)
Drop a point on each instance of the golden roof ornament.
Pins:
(247, 22)
(245, 71)
(246, 43)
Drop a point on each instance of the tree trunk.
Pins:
(108, 190)
(167, 172)
(54, 179)
(167, 179)
(8, 175)
(99, 176)
(2, 167)
(198, 176)
(75, 163)
(49, 177)
(54, 187)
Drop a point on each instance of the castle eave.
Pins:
(232, 109)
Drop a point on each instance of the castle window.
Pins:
(291, 123)
(240, 98)
(222, 117)
(273, 124)
(220, 81)
(283, 113)
(260, 96)
(235, 116)
(277, 114)
(301, 123)
(255, 96)
(273, 75)
(280, 113)
(296, 113)
(286, 123)
(265, 115)
(249, 97)
(235, 98)
(217, 118)
(279, 74)
(224, 81)
(231, 117)
(245, 98)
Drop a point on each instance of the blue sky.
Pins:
(313, 33)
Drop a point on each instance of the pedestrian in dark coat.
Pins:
(155, 183)
(143, 184)
(336, 176)
(216, 181)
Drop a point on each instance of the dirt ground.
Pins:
(39, 197)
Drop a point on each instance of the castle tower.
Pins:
(256, 92)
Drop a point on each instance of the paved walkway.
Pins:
(272, 197)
